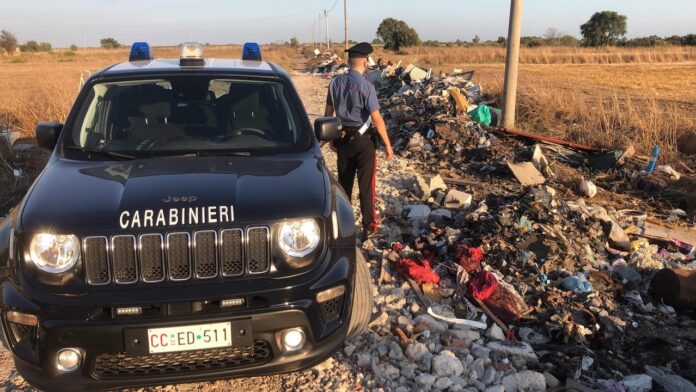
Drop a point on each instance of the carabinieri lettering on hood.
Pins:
(176, 216)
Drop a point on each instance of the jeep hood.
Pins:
(91, 197)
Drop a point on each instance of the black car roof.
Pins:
(211, 65)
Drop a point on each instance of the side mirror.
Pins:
(327, 128)
(47, 134)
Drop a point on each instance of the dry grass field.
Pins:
(604, 97)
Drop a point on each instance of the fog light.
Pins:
(68, 359)
(231, 302)
(133, 310)
(293, 340)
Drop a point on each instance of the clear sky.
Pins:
(162, 22)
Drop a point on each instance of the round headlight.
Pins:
(298, 238)
(54, 253)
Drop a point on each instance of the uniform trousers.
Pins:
(359, 155)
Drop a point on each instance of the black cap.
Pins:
(362, 49)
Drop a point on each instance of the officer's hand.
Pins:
(390, 153)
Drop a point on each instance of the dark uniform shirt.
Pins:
(354, 98)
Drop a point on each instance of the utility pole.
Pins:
(328, 41)
(345, 23)
(512, 58)
(319, 34)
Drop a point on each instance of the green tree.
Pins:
(603, 28)
(294, 42)
(377, 41)
(476, 39)
(73, 47)
(501, 41)
(8, 41)
(109, 43)
(396, 34)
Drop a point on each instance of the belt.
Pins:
(350, 133)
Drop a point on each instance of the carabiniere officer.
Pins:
(354, 100)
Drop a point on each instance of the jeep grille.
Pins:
(178, 256)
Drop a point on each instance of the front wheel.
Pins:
(362, 297)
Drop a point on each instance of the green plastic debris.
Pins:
(482, 115)
(604, 161)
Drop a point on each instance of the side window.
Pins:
(90, 113)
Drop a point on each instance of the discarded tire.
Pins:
(362, 298)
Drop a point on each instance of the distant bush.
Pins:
(109, 43)
(33, 46)
(73, 47)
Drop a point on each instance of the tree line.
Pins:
(602, 29)
(9, 43)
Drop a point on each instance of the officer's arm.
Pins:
(377, 119)
(329, 111)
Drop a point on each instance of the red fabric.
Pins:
(505, 304)
(482, 285)
(419, 270)
(397, 247)
(469, 258)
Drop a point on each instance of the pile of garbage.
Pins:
(20, 162)
(327, 63)
(509, 261)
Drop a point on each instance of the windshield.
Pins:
(187, 114)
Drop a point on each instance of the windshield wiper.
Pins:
(101, 151)
(223, 153)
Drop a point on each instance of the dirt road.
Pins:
(335, 374)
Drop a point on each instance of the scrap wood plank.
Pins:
(459, 99)
(659, 232)
(526, 173)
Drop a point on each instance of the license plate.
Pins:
(189, 337)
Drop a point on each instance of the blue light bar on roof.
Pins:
(251, 51)
(140, 51)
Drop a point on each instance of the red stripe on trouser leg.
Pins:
(374, 195)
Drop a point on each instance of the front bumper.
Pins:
(113, 360)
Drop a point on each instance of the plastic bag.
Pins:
(482, 115)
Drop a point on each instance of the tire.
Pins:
(362, 298)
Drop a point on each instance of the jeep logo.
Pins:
(177, 199)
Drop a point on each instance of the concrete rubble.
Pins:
(560, 284)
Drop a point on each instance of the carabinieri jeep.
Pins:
(186, 227)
